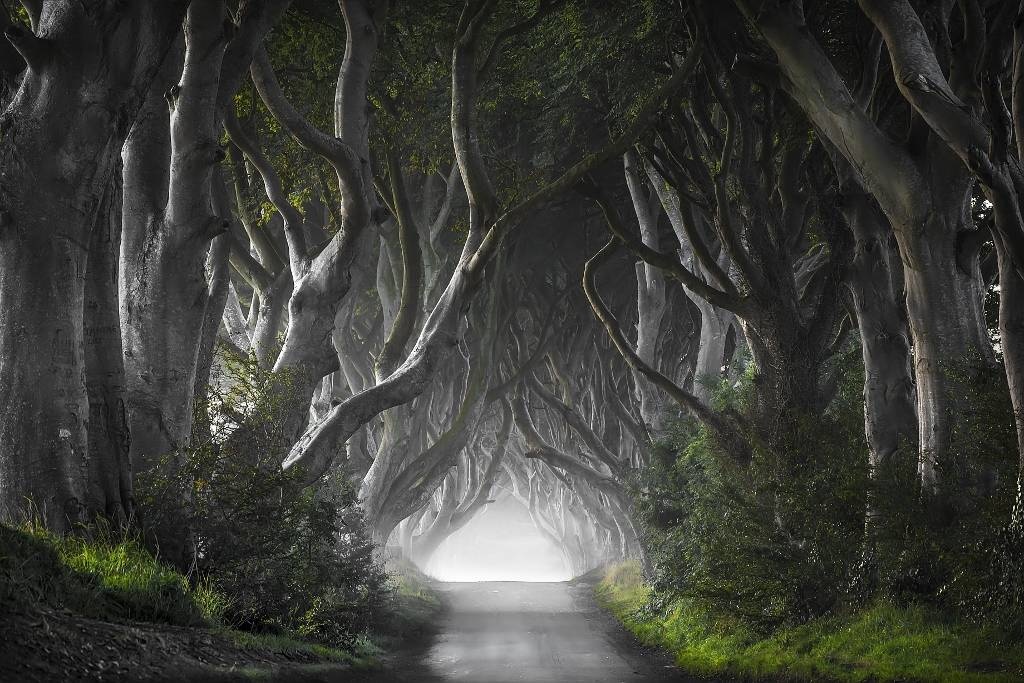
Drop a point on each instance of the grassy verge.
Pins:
(883, 642)
(415, 605)
(114, 579)
(100, 577)
(122, 588)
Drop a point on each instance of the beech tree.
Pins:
(710, 287)
(487, 227)
(923, 187)
(87, 71)
(170, 221)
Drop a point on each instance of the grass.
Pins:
(102, 577)
(415, 605)
(883, 642)
(111, 578)
(410, 616)
(364, 654)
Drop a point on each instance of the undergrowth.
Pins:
(414, 605)
(881, 641)
(267, 563)
(292, 559)
(111, 577)
(100, 576)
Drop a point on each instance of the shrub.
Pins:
(879, 641)
(784, 539)
(989, 584)
(288, 557)
(773, 541)
(958, 545)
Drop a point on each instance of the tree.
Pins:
(487, 228)
(76, 57)
(925, 192)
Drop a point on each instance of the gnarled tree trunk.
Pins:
(89, 66)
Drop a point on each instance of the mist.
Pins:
(499, 544)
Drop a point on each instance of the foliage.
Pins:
(288, 558)
(989, 585)
(775, 541)
(878, 642)
(583, 67)
(413, 607)
(110, 576)
(101, 575)
(951, 545)
(783, 540)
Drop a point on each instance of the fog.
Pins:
(499, 544)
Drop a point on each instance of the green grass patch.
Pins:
(365, 654)
(104, 576)
(100, 576)
(883, 642)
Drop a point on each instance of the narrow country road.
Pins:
(515, 632)
(543, 632)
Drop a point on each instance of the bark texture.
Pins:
(169, 229)
(110, 475)
(925, 193)
(89, 67)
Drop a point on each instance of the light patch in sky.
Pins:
(499, 544)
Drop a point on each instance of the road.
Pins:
(539, 633)
(505, 632)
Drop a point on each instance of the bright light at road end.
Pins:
(499, 544)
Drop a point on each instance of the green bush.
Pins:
(413, 608)
(989, 583)
(957, 547)
(289, 558)
(785, 538)
(773, 541)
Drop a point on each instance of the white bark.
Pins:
(650, 297)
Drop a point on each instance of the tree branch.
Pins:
(412, 272)
(298, 257)
(730, 301)
(882, 166)
(339, 155)
(727, 433)
(542, 451)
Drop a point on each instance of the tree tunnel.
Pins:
(502, 543)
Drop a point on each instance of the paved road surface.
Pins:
(536, 632)
(509, 632)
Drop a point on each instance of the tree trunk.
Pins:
(165, 292)
(952, 350)
(426, 544)
(788, 376)
(714, 332)
(216, 300)
(79, 95)
(1011, 336)
(714, 321)
(890, 413)
(44, 427)
(650, 296)
(109, 463)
